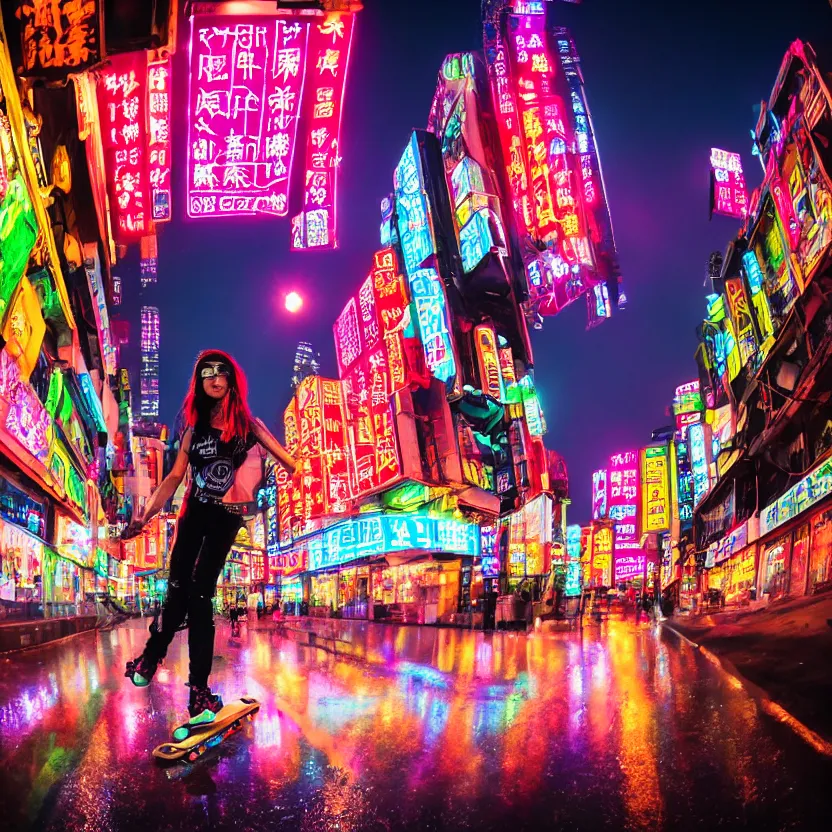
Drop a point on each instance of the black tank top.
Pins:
(214, 462)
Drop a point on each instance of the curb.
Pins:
(763, 700)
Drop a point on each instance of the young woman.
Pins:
(220, 431)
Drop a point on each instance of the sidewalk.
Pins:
(20, 635)
(785, 650)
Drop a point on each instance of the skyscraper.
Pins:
(150, 363)
(307, 363)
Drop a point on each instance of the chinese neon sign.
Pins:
(159, 138)
(432, 316)
(730, 196)
(624, 499)
(599, 494)
(744, 332)
(247, 77)
(59, 36)
(391, 302)
(121, 105)
(310, 429)
(655, 488)
(329, 54)
(383, 534)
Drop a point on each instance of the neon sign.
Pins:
(121, 104)
(391, 303)
(27, 419)
(329, 54)
(159, 138)
(488, 359)
(730, 196)
(800, 497)
(415, 230)
(599, 494)
(247, 77)
(628, 567)
(698, 462)
(384, 534)
(92, 266)
(624, 499)
(655, 485)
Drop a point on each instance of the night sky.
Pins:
(666, 82)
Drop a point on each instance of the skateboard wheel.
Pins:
(192, 756)
(180, 734)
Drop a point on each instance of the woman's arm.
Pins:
(165, 491)
(271, 444)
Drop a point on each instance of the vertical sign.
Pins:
(698, 462)
(599, 494)
(392, 307)
(623, 499)
(488, 359)
(336, 474)
(159, 139)
(310, 432)
(121, 104)
(730, 196)
(329, 54)
(655, 488)
(247, 77)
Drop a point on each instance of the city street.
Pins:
(616, 727)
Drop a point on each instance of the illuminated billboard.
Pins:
(384, 534)
(329, 54)
(246, 84)
(729, 193)
(624, 499)
(655, 488)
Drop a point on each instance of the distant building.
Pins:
(307, 363)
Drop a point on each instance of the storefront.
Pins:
(775, 560)
(323, 594)
(21, 571)
(427, 592)
(820, 556)
(234, 582)
(353, 591)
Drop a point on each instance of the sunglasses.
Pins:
(214, 370)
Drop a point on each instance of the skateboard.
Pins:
(192, 741)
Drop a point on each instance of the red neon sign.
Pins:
(159, 139)
(391, 305)
(329, 54)
(247, 77)
(121, 104)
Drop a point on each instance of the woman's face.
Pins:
(215, 379)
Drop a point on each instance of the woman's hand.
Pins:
(134, 528)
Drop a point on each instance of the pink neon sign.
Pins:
(247, 77)
(623, 499)
(329, 54)
(158, 125)
(730, 193)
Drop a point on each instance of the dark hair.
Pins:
(196, 409)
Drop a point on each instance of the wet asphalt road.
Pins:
(613, 728)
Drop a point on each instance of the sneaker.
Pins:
(140, 671)
(203, 706)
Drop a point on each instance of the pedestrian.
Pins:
(219, 435)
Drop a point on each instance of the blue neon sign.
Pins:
(383, 534)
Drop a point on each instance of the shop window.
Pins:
(821, 553)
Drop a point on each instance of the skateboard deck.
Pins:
(208, 735)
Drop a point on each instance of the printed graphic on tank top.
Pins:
(214, 463)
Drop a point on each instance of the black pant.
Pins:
(204, 536)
